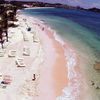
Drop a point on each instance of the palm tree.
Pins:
(7, 13)
(1, 37)
(5, 24)
(14, 10)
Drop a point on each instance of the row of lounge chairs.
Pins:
(34, 37)
(20, 61)
(12, 53)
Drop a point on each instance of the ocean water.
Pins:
(82, 30)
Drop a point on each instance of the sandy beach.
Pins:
(47, 61)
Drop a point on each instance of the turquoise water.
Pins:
(82, 30)
(87, 32)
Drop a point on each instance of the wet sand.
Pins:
(60, 69)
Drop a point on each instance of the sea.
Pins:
(80, 29)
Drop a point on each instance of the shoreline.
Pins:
(60, 77)
(57, 42)
(55, 69)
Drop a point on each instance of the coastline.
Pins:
(39, 7)
(57, 78)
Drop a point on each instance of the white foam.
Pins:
(58, 38)
(71, 92)
(71, 62)
(67, 94)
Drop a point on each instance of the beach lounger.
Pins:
(25, 37)
(20, 62)
(35, 39)
(12, 53)
(26, 51)
(2, 53)
(10, 36)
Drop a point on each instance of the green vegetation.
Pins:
(7, 14)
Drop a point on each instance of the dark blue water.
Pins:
(90, 20)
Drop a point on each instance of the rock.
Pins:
(97, 65)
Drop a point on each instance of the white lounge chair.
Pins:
(12, 53)
(2, 53)
(26, 51)
(25, 37)
(10, 36)
(20, 62)
(35, 39)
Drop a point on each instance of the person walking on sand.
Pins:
(34, 77)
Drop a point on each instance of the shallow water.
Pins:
(82, 30)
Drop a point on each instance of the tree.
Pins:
(1, 37)
(7, 13)
(5, 24)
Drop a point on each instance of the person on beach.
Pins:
(34, 78)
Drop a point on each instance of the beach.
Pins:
(53, 61)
